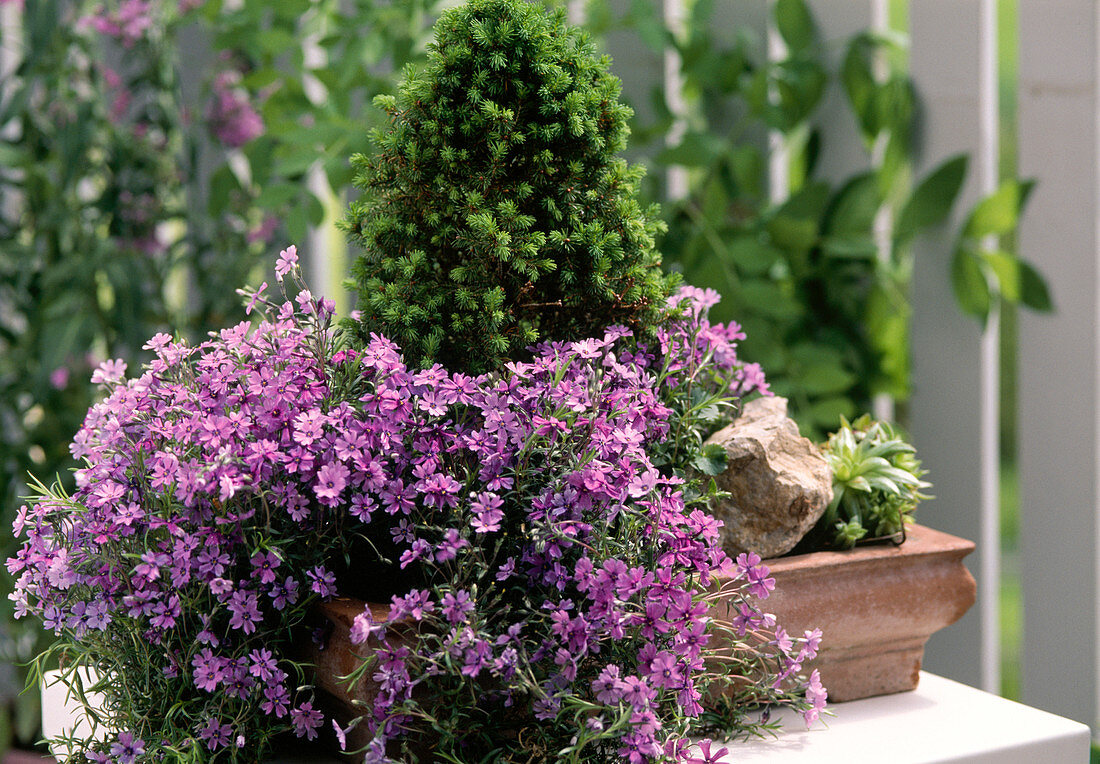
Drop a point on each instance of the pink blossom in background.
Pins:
(232, 119)
(264, 231)
(128, 25)
(59, 378)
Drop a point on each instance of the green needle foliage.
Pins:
(495, 211)
(876, 485)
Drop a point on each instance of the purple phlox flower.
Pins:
(127, 749)
(416, 604)
(215, 734)
(637, 692)
(284, 594)
(245, 608)
(665, 670)
(322, 581)
(264, 566)
(607, 686)
(287, 262)
(306, 720)
(487, 511)
(817, 695)
(455, 606)
(331, 480)
(811, 645)
(109, 372)
(262, 664)
(450, 545)
(253, 298)
(707, 756)
(208, 671)
(363, 627)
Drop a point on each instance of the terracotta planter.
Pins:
(876, 605)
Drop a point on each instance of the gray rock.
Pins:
(779, 483)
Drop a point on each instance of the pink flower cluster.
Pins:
(555, 562)
(202, 520)
(233, 120)
(128, 24)
(536, 485)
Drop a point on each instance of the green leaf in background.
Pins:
(932, 199)
(854, 207)
(1006, 270)
(970, 285)
(795, 24)
(823, 378)
(1034, 292)
(859, 85)
(694, 150)
(999, 213)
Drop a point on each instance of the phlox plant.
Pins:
(551, 571)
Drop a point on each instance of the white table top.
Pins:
(940, 721)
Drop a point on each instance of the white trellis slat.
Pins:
(953, 413)
(1059, 390)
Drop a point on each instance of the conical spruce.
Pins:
(495, 212)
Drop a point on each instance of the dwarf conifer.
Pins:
(495, 212)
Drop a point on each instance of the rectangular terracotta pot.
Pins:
(876, 607)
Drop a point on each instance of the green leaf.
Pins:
(850, 247)
(825, 378)
(1034, 292)
(752, 257)
(932, 199)
(795, 24)
(853, 209)
(695, 150)
(826, 413)
(711, 459)
(970, 285)
(998, 213)
(1005, 268)
(859, 85)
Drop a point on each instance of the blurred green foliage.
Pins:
(818, 273)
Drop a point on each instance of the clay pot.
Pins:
(876, 606)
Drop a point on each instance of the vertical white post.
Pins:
(11, 53)
(577, 11)
(676, 177)
(1059, 360)
(779, 156)
(953, 412)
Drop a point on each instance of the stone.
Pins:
(779, 482)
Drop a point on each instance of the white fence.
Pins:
(953, 415)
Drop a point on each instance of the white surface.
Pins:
(941, 721)
(62, 713)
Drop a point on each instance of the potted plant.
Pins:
(526, 511)
(876, 584)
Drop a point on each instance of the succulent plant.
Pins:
(495, 212)
(876, 485)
